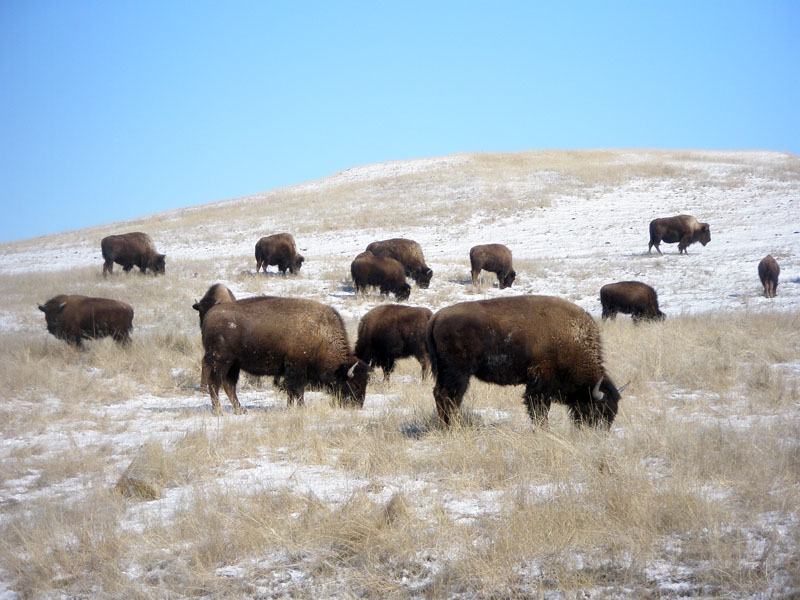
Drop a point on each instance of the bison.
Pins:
(391, 331)
(409, 253)
(768, 271)
(75, 318)
(130, 250)
(278, 249)
(300, 343)
(216, 294)
(495, 258)
(684, 229)
(387, 274)
(630, 297)
(548, 344)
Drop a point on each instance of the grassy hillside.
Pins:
(116, 480)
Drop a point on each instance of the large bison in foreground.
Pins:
(630, 297)
(684, 229)
(547, 344)
(768, 272)
(300, 343)
(76, 318)
(278, 249)
(409, 254)
(130, 250)
(495, 258)
(392, 331)
(386, 274)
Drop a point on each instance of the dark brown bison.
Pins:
(409, 253)
(130, 250)
(548, 344)
(300, 343)
(391, 331)
(684, 229)
(278, 249)
(387, 274)
(76, 318)
(768, 271)
(630, 297)
(495, 258)
(216, 294)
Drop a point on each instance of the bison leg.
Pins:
(609, 313)
(213, 381)
(229, 382)
(108, 267)
(651, 244)
(538, 405)
(475, 275)
(448, 398)
(424, 364)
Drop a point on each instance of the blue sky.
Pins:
(112, 110)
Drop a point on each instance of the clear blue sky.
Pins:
(111, 110)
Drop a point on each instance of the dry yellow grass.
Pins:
(118, 482)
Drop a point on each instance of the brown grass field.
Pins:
(117, 481)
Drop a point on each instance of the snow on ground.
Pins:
(568, 249)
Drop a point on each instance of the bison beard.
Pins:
(550, 345)
(300, 343)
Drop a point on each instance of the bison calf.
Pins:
(386, 274)
(130, 250)
(300, 343)
(684, 229)
(547, 344)
(76, 318)
(630, 297)
(409, 254)
(391, 331)
(768, 271)
(495, 258)
(278, 249)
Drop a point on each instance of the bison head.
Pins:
(52, 311)
(351, 383)
(509, 279)
(297, 263)
(403, 292)
(158, 264)
(423, 277)
(596, 406)
(704, 233)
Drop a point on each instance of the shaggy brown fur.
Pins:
(630, 297)
(684, 229)
(76, 318)
(391, 331)
(135, 249)
(300, 343)
(495, 258)
(548, 344)
(216, 294)
(387, 274)
(768, 272)
(278, 249)
(409, 253)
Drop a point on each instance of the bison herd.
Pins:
(547, 344)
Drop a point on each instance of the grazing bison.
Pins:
(409, 253)
(385, 273)
(391, 331)
(216, 294)
(495, 258)
(768, 271)
(684, 229)
(76, 318)
(630, 297)
(278, 249)
(130, 250)
(300, 343)
(548, 344)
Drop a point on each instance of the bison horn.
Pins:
(597, 394)
(352, 371)
(622, 389)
